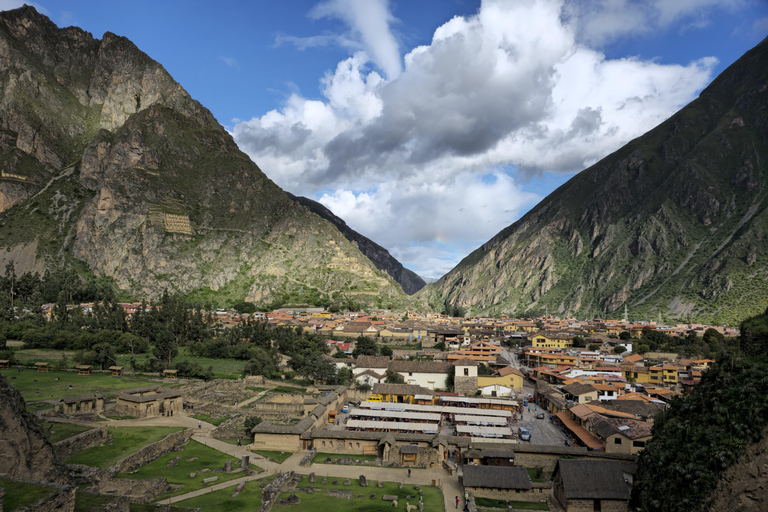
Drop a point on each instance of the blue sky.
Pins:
(430, 126)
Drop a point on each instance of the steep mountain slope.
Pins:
(380, 257)
(106, 160)
(675, 223)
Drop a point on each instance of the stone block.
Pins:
(210, 479)
(312, 477)
(363, 481)
(389, 497)
(192, 475)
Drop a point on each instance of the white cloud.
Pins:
(230, 61)
(417, 157)
(370, 22)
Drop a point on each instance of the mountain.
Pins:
(108, 166)
(380, 257)
(673, 224)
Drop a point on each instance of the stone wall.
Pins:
(152, 452)
(143, 490)
(63, 501)
(465, 385)
(284, 442)
(589, 506)
(538, 493)
(72, 445)
(535, 460)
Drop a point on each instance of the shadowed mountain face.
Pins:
(380, 257)
(106, 160)
(672, 224)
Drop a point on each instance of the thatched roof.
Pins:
(496, 477)
(420, 366)
(591, 480)
(401, 389)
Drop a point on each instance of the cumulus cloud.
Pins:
(422, 153)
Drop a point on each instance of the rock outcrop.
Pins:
(25, 451)
(674, 223)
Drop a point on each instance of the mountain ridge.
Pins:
(109, 166)
(660, 225)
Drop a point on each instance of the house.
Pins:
(428, 374)
(550, 339)
(117, 371)
(5, 363)
(664, 374)
(507, 380)
(41, 367)
(635, 359)
(637, 374)
(580, 393)
(622, 435)
(500, 483)
(83, 369)
(399, 393)
(580, 485)
(171, 374)
(148, 402)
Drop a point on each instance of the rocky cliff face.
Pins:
(674, 223)
(25, 451)
(107, 160)
(744, 486)
(380, 257)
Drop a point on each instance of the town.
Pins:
(542, 413)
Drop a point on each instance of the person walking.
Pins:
(409, 472)
(199, 425)
(457, 502)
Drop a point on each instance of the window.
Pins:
(617, 440)
(466, 371)
(638, 444)
(410, 374)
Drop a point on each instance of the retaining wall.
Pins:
(65, 448)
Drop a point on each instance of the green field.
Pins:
(179, 474)
(35, 386)
(248, 500)
(210, 419)
(320, 457)
(125, 441)
(320, 502)
(24, 494)
(222, 368)
(58, 431)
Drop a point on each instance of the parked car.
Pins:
(524, 434)
(539, 415)
(345, 409)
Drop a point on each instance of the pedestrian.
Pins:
(529, 408)
(409, 472)
(199, 425)
(457, 502)
(238, 442)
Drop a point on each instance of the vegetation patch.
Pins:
(210, 419)
(24, 494)
(320, 502)
(59, 431)
(123, 442)
(523, 505)
(193, 458)
(249, 499)
(274, 455)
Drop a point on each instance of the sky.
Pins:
(431, 125)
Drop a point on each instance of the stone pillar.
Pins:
(228, 466)
(243, 462)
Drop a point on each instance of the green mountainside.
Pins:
(674, 224)
(108, 166)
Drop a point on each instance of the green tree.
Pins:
(365, 346)
(712, 336)
(619, 349)
(166, 347)
(626, 336)
(594, 347)
(578, 342)
(386, 351)
(483, 369)
(394, 378)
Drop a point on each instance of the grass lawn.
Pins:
(546, 476)
(248, 500)
(319, 501)
(24, 494)
(274, 455)
(320, 457)
(58, 431)
(29, 382)
(233, 440)
(287, 389)
(88, 502)
(179, 474)
(125, 441)
(210, 419)
(525, 505)
(256, 389)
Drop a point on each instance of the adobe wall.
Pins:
(72, 445)
(538, 493)
(152, 452)
(589, 506)
(283, 442)
(355, 446)
(534, 460)
(465, 385)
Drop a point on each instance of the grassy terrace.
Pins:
(59, 431)
(125, 441)
(248, 500)
(320, 502)
(274, 455)
(210, 419)
(24, 494)
(36, 386)
(179, 474)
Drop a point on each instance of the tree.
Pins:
(642, 348)
(626, 336)
(244, 307)
(394, 378)
(712, 336)
(344, 375)
(386, 351)
(619, 349)
(250, 422)
(166, 347)
(450, 381)
(365, 346)
(594, 347)
(483, 369)
(578, 342)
